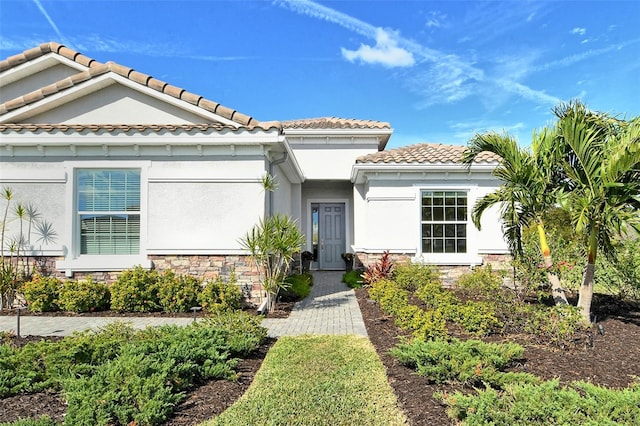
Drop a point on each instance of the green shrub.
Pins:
(178, 293)
(434, 296)
(118, 375)
(298, 287)
(41, 421)
(412, 276)
(41, 293)
(478, 318)
(394, 301)
(481, 283)
(472, 362)
(243, 332)
(353, 279)
(217, 295)
(546, 403)
(136, 290)
(555, 325)
(83, 296)
(131, 388)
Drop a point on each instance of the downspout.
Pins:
(271, 164)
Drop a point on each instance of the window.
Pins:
(109, 211)
(444, 222)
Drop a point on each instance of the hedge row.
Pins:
(136, 290)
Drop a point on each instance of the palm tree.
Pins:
(272, 244)
(527, 191)
(601, 186)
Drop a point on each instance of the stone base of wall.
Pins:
(212, 267)
(203, 267)
(448, 273)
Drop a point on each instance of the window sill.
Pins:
(448, 259)
(104, 263)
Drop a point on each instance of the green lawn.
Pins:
(317, 380)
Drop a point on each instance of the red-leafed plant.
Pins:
(379, 270)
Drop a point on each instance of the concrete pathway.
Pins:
(331, 308)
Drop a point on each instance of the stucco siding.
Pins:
(201, 217)
(41, 185)
(117, 104)
(387, 216)
(329, 162)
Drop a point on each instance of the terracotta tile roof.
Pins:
(96, 69)
(334, 123)
(124, 128)
(424, 154)
(43, 49)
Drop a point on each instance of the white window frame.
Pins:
(74, 261)
(468, 258)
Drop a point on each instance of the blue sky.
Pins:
(438, 71)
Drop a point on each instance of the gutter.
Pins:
(273, 163)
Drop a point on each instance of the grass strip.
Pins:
(317, 380)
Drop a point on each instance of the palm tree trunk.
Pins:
(586, 292)
(586, 289)
(557, 292)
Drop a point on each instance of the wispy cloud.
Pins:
(437, 77)
(578, 57)
(44, 12)
(579, 31)
(435, 19)
(386, 52)
(466, 130)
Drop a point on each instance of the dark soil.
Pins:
(612, 361)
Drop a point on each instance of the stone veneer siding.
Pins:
(448, 273)
(203, 267)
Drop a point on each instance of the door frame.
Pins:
(347, 222)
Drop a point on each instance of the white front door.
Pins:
(332, 236)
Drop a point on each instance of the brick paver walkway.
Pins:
(331, 308)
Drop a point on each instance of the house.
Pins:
(129, 170)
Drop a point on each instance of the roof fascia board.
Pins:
(228, 136)
(36, 65)
(361, 171)
(381, 135)
(100, 82)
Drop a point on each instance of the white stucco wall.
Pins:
(41, 184)
(329, 161)
(201, 217)
(387, 216)
(117, 104)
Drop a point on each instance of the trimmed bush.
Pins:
(136, 290)
(122, 376)
(83, 296)
(546, 403)
(178, 293)
(41, 421)
(394, 301)
(482, 283)
(41, 293)
(298, 287)
(472, 362)
(220, 296)
(353, 279)
(415, 275)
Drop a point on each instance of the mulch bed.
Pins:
(612, 362)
